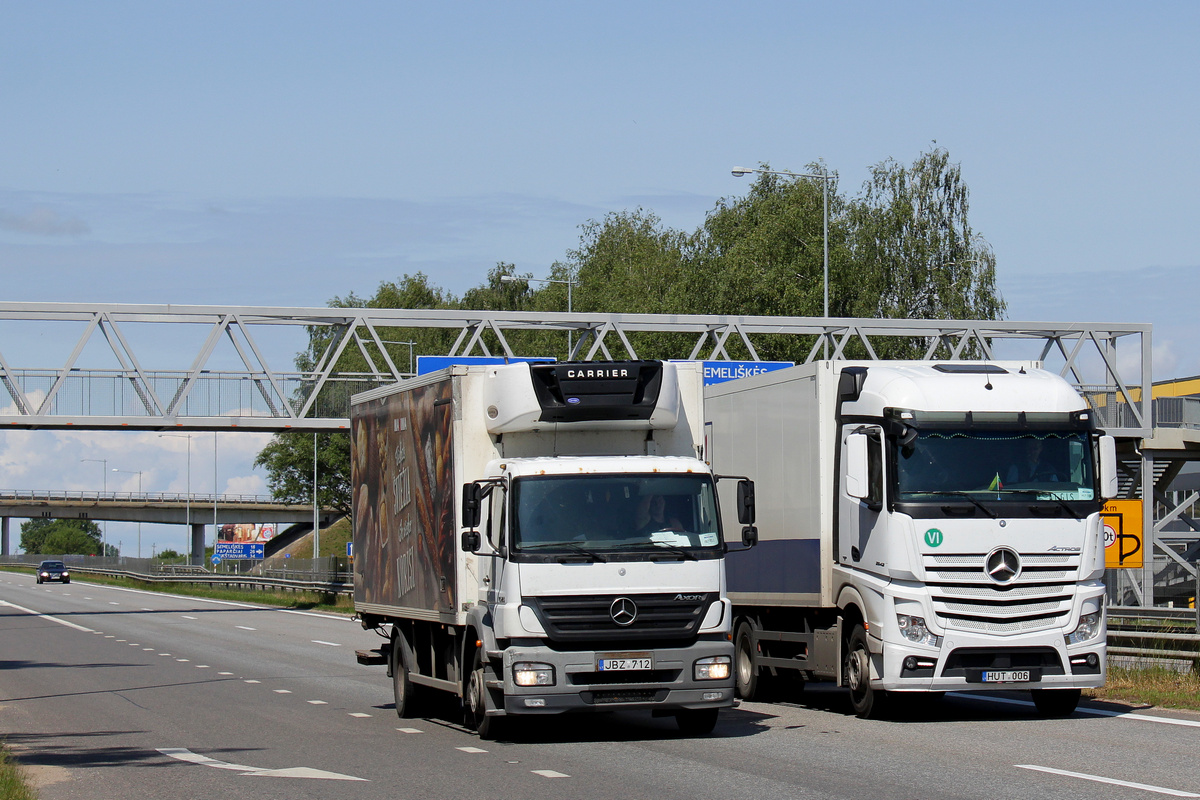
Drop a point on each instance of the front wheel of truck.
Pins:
(746, 670)
(866, 702)
(475, 702)
(1056, 702)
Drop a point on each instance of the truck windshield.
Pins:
(660, 513)
(1020, 465)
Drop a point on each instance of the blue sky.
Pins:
(252, 153)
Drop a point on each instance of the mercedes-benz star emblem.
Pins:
(623, 611)
(1003, 565)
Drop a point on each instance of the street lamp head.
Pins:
(739, 172)
(509, 279)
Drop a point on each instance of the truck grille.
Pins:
(966, 597)
(660, 617)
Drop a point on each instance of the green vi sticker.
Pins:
(933, 537)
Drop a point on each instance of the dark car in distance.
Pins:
(53, 571)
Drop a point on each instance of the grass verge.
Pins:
(13, 785)
(1150, 686)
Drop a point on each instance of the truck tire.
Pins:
(1056, 702)
(697, 721)
(407, 695)
(866, 702)
(475, 702)
(745, 671)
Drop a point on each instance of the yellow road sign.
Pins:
(1122, 521)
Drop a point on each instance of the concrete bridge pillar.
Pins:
(4, 536)
(198, 543)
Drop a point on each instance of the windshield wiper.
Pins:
(965, 496)
(1038, 495)
(688, 554)
(575, 546)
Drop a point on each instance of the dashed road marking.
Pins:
(549, 773)
(253, 681)
(317, 703)
(359, 714)
(327, 644)
(282, 691)
(246, 628)
(410, 730)
(1096, 712)
(183, 754)
(185, 616)
(471, 749)
(1111, 781)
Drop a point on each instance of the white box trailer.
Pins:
(900, 549)
(543, 539)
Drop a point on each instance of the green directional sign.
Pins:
(933, 537)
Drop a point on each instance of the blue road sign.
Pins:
(721, 371)
(349, 549)
(427, 364)
(239, 550)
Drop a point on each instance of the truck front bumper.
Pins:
(982, 663)
(580, 686)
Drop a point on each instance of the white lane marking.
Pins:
(410, 730)
(1112, 781)
(318, 703)
(253, 681)
(122, 640)
(168, 655)
(282, 691)
(185, 616)
(359, 714)
(245, 628)
(224, 673)
(202, 666)
(87, 598)
(110, 636)
(148, 649)
(112, 603)
(47, 617)
(549, 773)
(182, 660)
(309, 614)
(328, 644)
(183, 754)
(1096, 712)
(471, 749)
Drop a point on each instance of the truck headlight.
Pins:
(714, 668)
(913, 629)
(1088, 627)
(528, 673)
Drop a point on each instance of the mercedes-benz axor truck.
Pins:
(544, 539)
(922, 527)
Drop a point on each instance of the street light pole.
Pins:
(104, 527)
(822, 176)
(570, 282)
(188, 499)
(137, 472)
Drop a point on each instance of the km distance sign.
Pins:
(1122, 520)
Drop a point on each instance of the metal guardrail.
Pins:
(325, 583)
(178, 497)
(1155, 634)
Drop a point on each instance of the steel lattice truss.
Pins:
(238, 368)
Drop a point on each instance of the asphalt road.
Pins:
(113, 693)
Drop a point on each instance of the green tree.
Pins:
(60, 537)
(915, 252)
(288, 460)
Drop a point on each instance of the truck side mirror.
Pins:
(857, 482)
(472, 503)
(749, 536)
(1108, 467)
(745, 501)
(471, 541)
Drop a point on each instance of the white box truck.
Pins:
(922, 527)
(542, 539)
